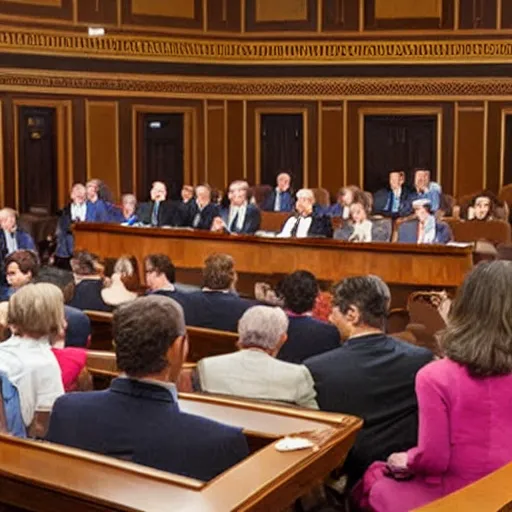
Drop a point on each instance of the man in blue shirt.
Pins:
(281, 198)
(426, 189)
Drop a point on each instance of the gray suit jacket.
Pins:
(255, 374)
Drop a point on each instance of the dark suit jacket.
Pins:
(169, 213)
(321, 225)
(215, 310)
(206, 216)
(251, 222)
(287, 202)
(88, 296)
(383, 203)
(408, 232)
(372, 377)
(307, 337)
(78, 329)
(141, 422)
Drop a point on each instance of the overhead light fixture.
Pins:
(96, 31)
(155, 125)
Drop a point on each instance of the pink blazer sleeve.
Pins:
(432, 455)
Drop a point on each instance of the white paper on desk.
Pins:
(266, 234)
(460, 244)
(290, 444)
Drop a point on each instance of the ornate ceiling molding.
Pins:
(252, 88)
(267, 52)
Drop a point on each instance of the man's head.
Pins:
(8, 219)
(158, 191)
(346, 196)
(187, 193)
(421, 179)
(78, 193)
(299, 291)
(396, 179)
(305, 201)
(422, 209)
(84, 263)
(203, 195)
(219, 272)
(129, 202)
(159, 270)
(361, 304)
(283, 181)
(263, 327)
(358, 212)
(482, 206)
(92, 188)
(237, 193)
(21, 267)
(150, 338)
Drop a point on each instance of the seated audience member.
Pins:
(362, 229)
(187, 194)
(309, 221)
(281, 198)
(159, 211)
(78, 329)
(307, 336)
(394, 200)
(425, 229)
(117, 293)
(253, 371)
(35, 316)
(78, 210)
(87, 272)
(370, 375)
(240, 216)
(346, 196)
(426, 189)
(465, 399)
(485, 206)
(151, 347)
(20, 268)
(100, 207)
(217, 305)
(128, 213)
(161, 276)
(200, 212)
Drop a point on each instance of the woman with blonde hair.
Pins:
(464, 401)
(116, 292)
(36, 318)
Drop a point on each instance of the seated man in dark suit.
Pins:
(138, 418)
(200, 212)
(371, 375)
(281, 198)
(425, 229)
(240, 216)
(309, 221)
(159, 211)
(160, 277)
(217, 305)
(307, 336)
(394, 200)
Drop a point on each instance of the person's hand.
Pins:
(397, 461)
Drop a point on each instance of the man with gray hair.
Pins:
(253, 371)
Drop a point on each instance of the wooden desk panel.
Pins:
(331, 260)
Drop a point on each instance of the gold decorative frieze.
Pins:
(225, 51)
(87, 84)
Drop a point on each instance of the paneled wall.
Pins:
(97, 138)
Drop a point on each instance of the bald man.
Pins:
(159, 211)
(281, 198)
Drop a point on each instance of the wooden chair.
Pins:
(273, 221)
(260, 193)
(397, 320)
(495, 231)
(101, 330)
(209, 342)
(322, 196)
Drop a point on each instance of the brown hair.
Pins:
(162, 264)
(219, 272)
(85, 263)
(479, 330)
(27, 261)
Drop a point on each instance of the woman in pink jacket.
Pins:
(465, 402)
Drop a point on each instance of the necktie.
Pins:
(234, 223)
(421, 232)
(277, 205)
(154, 214)
(295, 228)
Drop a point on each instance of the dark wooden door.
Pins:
(507, 171)
(281, 148)
(37, 160)
(398, 142)
(161, 158)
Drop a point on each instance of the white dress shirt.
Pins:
(78, 211)
(11, 242)
(32, 368)
(241, 210)
(302, 230)
(362, 232)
